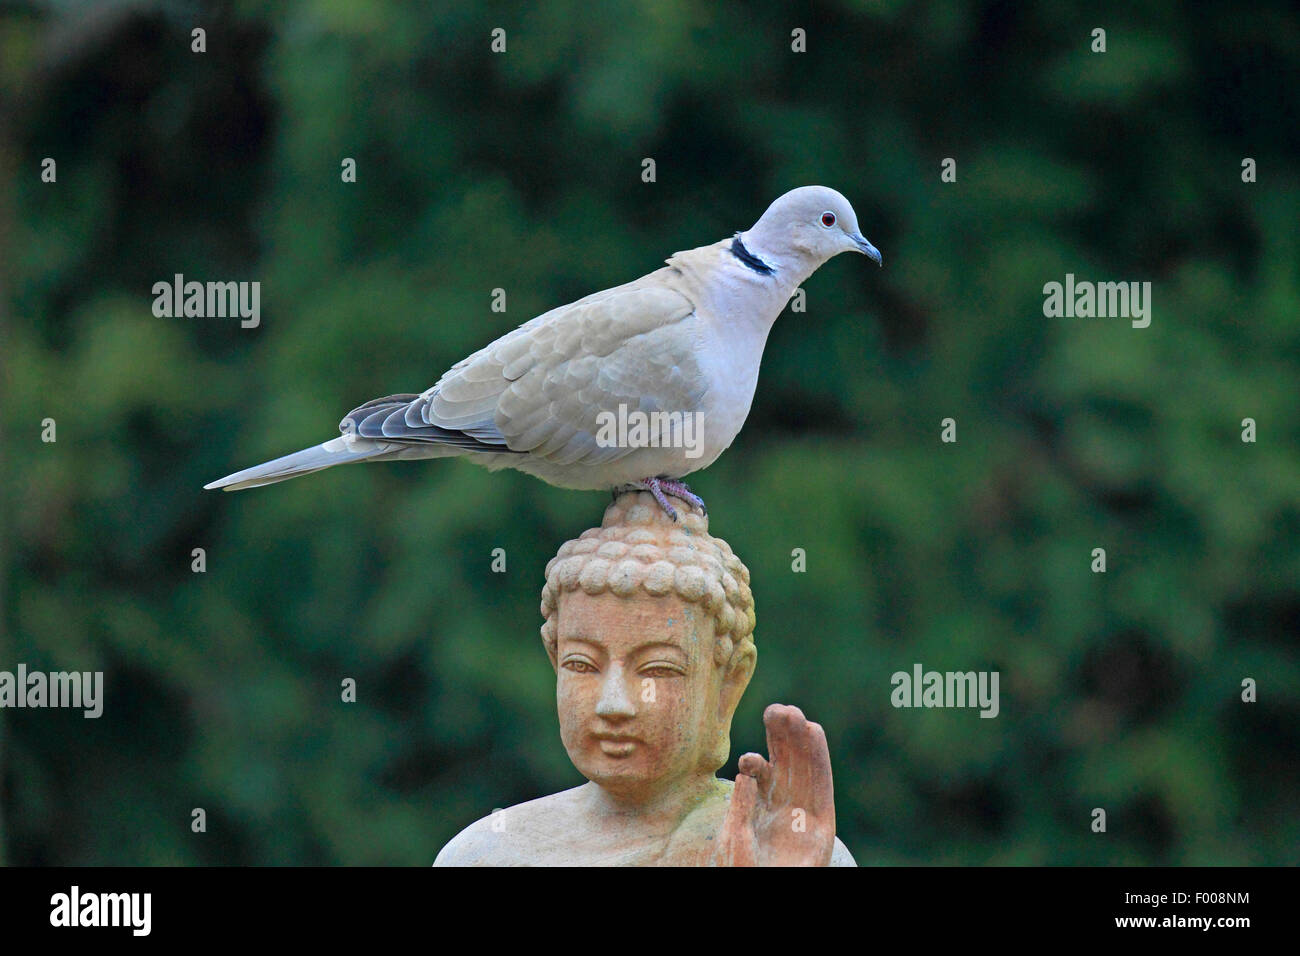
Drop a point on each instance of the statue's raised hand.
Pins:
(782, 810)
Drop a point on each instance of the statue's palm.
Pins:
(782, 810)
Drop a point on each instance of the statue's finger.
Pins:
(777, 719)
(758, 769)
(821, 788)
(744, 796)
(791, 767)
(736, 843)
(736, 835)
(803, 745)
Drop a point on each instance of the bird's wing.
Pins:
(540, 388)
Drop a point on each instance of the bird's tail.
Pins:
(339, 451)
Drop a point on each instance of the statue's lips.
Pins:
(616, 745)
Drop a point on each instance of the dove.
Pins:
(680, 345)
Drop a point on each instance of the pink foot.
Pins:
(674, 487)
(658, 487)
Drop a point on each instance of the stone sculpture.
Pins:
(649, 625)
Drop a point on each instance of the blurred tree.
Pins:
(521, 170)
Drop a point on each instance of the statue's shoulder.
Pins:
(840, 856)
(509, 837)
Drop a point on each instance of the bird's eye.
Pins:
(828, 219)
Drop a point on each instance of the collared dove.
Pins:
(679, 347)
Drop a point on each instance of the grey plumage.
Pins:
(686, 338)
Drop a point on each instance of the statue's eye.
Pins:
(661, 670)
(828, 219)
(579, 666)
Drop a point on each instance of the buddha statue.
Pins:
(649, 627)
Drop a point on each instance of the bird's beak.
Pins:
(866, 248)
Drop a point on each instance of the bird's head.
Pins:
(808, 225)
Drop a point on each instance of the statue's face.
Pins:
(640, 698)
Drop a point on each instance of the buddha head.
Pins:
(649, 625)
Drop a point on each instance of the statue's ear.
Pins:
(549, 640)
(739, 670)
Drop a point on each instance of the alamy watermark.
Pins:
(209, 300)
(77, 689)
(76, 908)
(922, 688)
(634, 428)
(1085, 299)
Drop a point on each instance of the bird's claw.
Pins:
(658, 487)
(678, 488)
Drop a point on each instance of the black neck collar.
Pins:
(748, 258)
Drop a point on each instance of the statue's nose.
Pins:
(615, 702)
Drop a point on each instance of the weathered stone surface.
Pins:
(649, 625)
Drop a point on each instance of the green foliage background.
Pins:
(522, 171)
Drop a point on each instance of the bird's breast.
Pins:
(731, 363)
